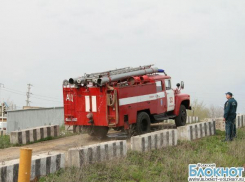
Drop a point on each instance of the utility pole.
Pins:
(1, 85)
(28, 94)
(2, 115)
(3, 111)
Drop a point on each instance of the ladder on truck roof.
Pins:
(118, 71)
(102, 78)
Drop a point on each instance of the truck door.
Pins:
(69, 104)
(170, 95)
(161, 98)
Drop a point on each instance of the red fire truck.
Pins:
(128, 98)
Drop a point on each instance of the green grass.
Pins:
(5, 139)
(5, 142)
(169, 164)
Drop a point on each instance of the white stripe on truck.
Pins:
(94, 104)
(87, 103)
(141, 98)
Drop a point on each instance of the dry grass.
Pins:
(169, 164)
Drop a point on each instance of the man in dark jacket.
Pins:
(230, 116)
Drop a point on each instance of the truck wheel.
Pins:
(143, 123)
(98, 131)
(180, 120)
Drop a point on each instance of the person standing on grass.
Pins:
(230, 117)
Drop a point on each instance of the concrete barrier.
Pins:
(240, 122)
(41, 165)
(197, 130)
(33, 134)
(154, 140)
(192, 119)
(77, 157)
(220, 124)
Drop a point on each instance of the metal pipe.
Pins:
(78, 80)
(106, 79)
(25, 165)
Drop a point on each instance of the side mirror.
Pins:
(178, 85)
(182, 85)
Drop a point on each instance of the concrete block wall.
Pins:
(189, 119)
(42, 165)
(33, 134)
(154, 140)
(192, 119)
(197, 130)
(220, 124)
(77, 157)
(240, 121)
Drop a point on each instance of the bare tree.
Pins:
(215, 111)
(11, 105)
(199, 109)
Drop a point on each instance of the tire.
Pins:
(143, 124)
(98, 131)
(180, 120)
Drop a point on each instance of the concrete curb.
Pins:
(197, 130)
(154, 140)
(77, 157)
(34, 134)
(42, 165)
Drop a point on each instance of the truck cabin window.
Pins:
(159, 86)
(168, 84)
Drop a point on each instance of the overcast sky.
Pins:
(44, 42)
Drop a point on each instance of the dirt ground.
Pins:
(63, 144)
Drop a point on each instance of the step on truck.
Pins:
(128, 99)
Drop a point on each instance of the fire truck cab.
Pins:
(129, 99)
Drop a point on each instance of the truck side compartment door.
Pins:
(170, 95)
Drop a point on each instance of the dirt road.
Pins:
(62, 144)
